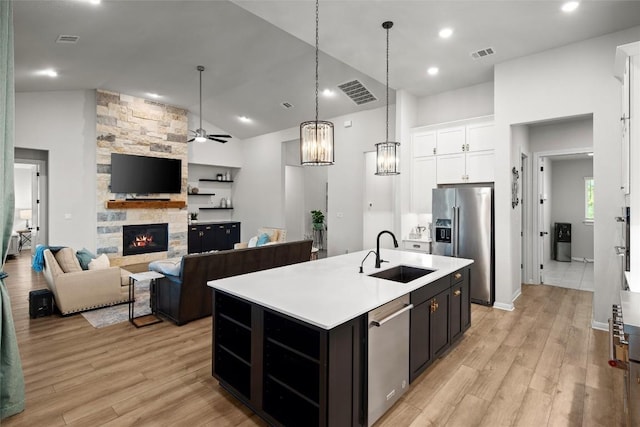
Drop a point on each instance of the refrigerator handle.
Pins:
(454, 233)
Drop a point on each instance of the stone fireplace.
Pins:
(145, 238)
(131, 125)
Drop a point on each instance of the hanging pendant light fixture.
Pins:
(387, 153)
(316, 136)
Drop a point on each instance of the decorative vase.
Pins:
(318, 226)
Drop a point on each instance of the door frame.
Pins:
(536, 206)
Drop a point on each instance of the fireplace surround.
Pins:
(144, 238)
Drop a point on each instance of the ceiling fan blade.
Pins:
(216, 139)
(191, 140)
(219, 136)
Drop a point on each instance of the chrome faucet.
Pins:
(395, 244)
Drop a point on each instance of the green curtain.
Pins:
(11, 376)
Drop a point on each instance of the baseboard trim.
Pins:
(599, 326)
(503, 306)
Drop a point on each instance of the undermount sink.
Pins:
(402, 273)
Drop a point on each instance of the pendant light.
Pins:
(316, 136)
(387, 153)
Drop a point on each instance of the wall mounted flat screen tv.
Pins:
(144, 175)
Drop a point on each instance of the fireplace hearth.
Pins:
(145, 238)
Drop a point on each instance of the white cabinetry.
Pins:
(446, 154)
(423, 170)
(423, 144)
(451, 140)
(423, 180)
(467, 155)
(625, 63)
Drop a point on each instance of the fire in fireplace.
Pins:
(146, 238)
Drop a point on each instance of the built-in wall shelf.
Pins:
(202, 194)
(213, 208)
(213, 180)
(146, 204)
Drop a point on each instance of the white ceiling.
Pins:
(259, 54)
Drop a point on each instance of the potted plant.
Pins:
(193, 216)
(317, 220)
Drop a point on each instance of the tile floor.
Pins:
(572, 275)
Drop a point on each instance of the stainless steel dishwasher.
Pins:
(388, 356)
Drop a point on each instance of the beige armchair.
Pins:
(85, 289)
(276, 235)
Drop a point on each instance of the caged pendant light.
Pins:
(316, 136)
(387, 153)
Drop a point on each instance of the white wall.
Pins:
(465, 103)
(569, 81)
(212, 152)
(259, 190)
(563, 134)
(567, 203)
(64, 124)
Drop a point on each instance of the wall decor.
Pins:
(515, 175)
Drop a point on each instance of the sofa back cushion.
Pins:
(67, 260)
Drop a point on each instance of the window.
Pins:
(588, 198)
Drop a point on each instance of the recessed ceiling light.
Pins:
(154, 95)
(48, 72)
(328, 93)
(244, 119)
(590, 154)
(570, 6)
(94, 1)
(445, 33)
(432, 71)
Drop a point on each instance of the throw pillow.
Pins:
(252, 242)
(263, 239)
(100, 263)
(84, 257)
(67, 260)
(170, 266)
(271, 232)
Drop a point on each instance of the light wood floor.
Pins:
(539, 365)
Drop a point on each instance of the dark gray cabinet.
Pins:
(460, 304)
(289, 372)
(217, 236)
(440, 315)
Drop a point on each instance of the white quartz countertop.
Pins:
(330, 291)
(630, 302)
(420, 240)
(633, 281)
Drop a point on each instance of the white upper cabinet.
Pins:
(424, 144)
(480, 136)
(464, 153)
(479, 166)
(451, 168)
(423, 180)
(624, 121)
(451, 140)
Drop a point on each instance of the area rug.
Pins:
(120, 313)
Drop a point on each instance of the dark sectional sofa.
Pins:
(187, 297)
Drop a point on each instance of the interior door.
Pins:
(543, 220)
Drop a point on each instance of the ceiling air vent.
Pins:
(357, 92)
(482, 53)
(67, 39)
(286, 105)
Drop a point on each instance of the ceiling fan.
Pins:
(201, 134)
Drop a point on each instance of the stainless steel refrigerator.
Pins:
(463, 227)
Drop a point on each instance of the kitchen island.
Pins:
(291, 342)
